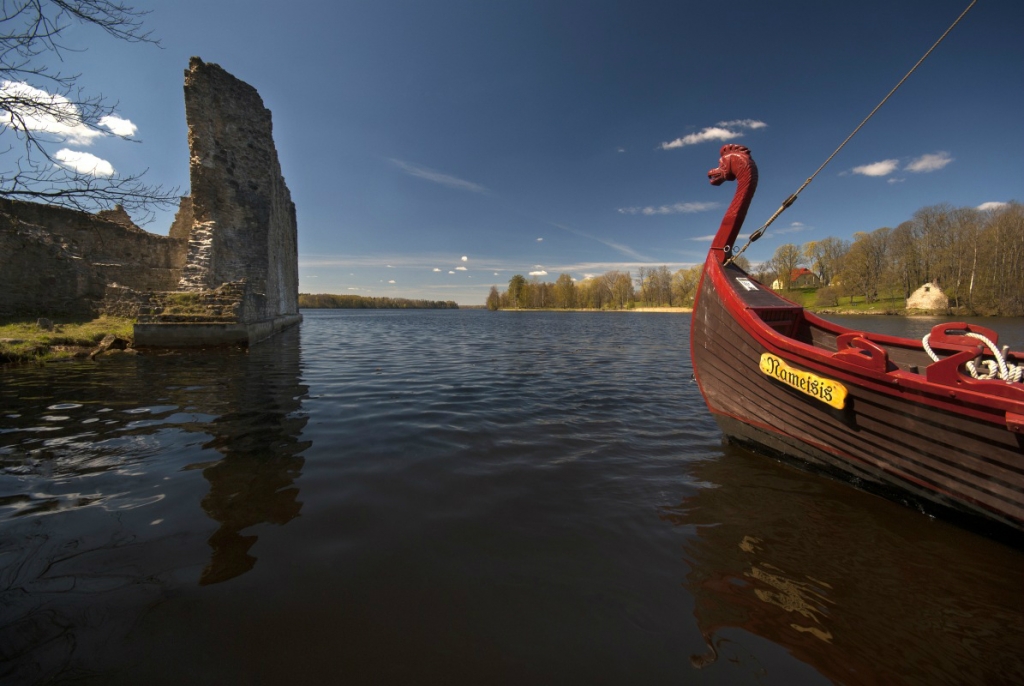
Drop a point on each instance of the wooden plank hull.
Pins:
(946, 450)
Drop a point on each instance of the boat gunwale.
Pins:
(895, 383)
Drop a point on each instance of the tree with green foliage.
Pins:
(565, 292)
(493, 299)
(684, 285)
(517, 291)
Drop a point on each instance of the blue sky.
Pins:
(436, 148)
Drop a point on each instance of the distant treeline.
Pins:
(975, 256)
(614, 290)
(330, 301)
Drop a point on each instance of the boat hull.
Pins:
(894, 435)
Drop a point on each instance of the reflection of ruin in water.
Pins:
(845, 582)
(257, 431)
(260, 442)
(76, 569)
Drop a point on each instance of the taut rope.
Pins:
(791, 199)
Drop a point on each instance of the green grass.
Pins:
(22, 340)
(184, 304)
(808, 297)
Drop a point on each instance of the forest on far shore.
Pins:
(975, 256)
(330, 301)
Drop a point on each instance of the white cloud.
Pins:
(33, 109)
(992, 205)
(895, 180)
(722, 131)
(460, 269)
(929, 163)
(84, 163)
(883, 168)
(540, 240)
(677, 208)
(450, 271)
(539, 272)
(744, 123)
(436, 269)
(118, 126)
(465, 258)
(391, 281)
(438, 177)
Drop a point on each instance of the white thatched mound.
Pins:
(928, 297)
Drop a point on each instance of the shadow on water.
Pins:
(856, 587)
(100, 509)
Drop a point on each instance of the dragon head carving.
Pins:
(726, 169)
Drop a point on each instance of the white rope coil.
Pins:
(993, 369)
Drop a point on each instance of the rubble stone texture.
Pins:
(243, 217)
(58, 261)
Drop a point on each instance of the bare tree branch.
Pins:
(40, 108)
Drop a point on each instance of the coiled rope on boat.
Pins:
(996, 368)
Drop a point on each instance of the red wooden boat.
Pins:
(872, 409)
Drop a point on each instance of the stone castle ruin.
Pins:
(226, 273)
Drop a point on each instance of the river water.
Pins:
(459, 497)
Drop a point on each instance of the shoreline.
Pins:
(676, 310)
(687, 310)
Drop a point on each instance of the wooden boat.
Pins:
(873, 409)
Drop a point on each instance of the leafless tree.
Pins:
(785, 260)
(41, 108)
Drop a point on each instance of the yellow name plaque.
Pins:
(827, 391)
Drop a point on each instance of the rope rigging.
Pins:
(791, 199)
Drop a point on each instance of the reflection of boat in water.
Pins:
(860, 590)
(871, 408)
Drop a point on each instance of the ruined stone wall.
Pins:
(244, 225)
(182, 224)
(228, 303)
(928, 297)
(58, 261)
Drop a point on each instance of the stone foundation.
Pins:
(203, 334)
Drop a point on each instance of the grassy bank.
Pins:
(858, 304)
(23, 340)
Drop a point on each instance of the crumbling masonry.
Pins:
(232, 247)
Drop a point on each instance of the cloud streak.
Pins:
(676, 208)
(722, 131)
(439, 177)
(624, 249)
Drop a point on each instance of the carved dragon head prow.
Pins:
(735, 165)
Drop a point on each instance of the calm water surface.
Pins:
(459, 497)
